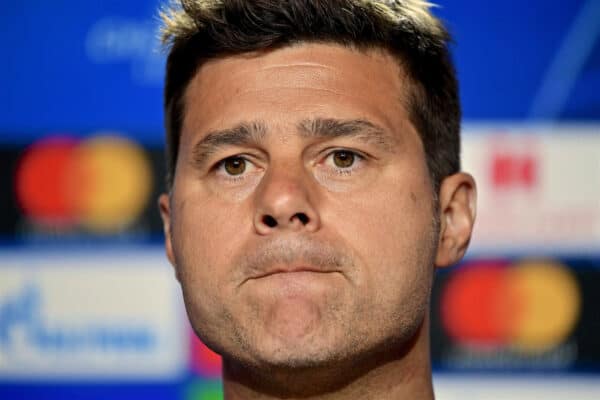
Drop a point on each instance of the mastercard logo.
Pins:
(101, 184)
(530, 306)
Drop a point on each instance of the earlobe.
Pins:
(164, 206)
(457, 199)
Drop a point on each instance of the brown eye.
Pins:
(343, 159)
(235, 165)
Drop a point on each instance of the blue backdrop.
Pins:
(86, 65)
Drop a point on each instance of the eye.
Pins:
(234, 165)
(235, 169)
(343, 158)
(343, 161)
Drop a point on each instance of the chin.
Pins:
(296, 353)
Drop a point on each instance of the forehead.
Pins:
(295, 83)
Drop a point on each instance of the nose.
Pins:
(283, 202)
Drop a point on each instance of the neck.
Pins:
(395, 373)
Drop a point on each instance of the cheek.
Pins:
(205, 236)
(389, 228)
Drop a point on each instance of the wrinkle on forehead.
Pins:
(311, 65)
(371, 82)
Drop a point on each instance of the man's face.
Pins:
(301, 220)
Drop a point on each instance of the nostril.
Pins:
(269, 221)
(302, 217)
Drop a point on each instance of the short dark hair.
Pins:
(199, 30)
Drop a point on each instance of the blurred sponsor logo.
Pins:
(117, 39)
(538, 188)
(68, 317)
(509, 171)
(204, 390)
(204, 361)
(22, 324)
(500, 314)
(101, 184)
(531, 305)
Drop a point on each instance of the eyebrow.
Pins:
(361, 129)
(243, 134)
(254, 132)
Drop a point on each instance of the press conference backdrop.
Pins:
(89, 307)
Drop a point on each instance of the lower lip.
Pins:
(297, 285)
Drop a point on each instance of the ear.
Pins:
(164, 205)
(458, 203)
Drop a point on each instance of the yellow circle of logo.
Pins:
(114, 182)
(549, 302)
